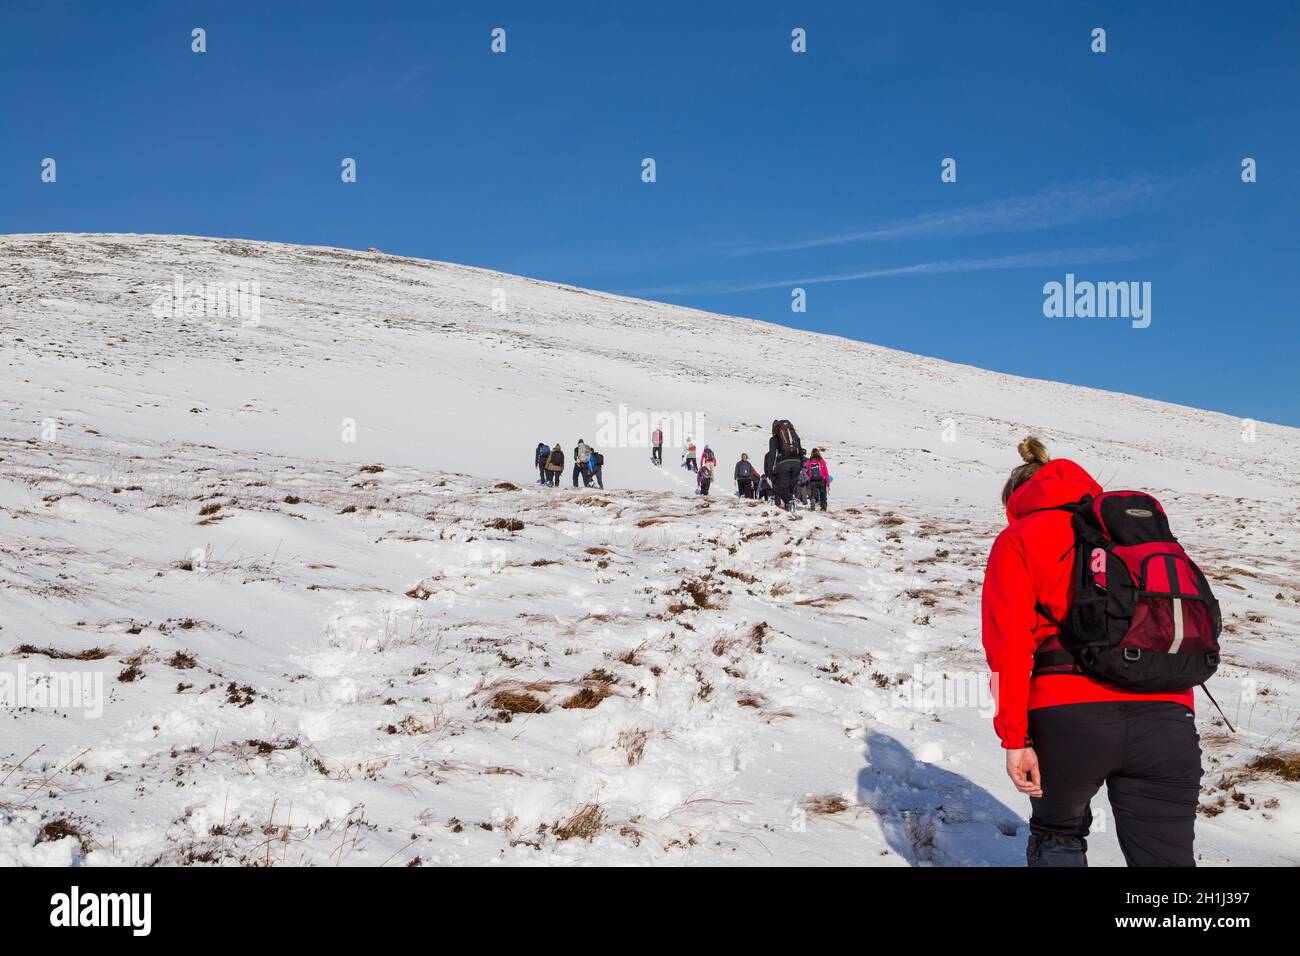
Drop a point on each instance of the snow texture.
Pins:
(401, 650)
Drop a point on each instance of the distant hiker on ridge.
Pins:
(703, 479)
(657, 446)
(745, 477)
(581, 452)
(555, 465)
(542, 453)
(596, 469)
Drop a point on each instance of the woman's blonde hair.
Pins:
(1034, 453)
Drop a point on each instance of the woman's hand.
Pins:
(1022, 768)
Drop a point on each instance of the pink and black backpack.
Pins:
(1142, 616)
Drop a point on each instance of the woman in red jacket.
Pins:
(1064, 733)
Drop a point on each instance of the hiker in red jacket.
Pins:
(1063, 732)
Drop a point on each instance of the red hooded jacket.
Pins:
(1030, 562)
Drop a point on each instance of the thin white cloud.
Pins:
(1062, 258)
(1045, 209)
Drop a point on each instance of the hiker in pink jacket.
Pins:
(819, 479)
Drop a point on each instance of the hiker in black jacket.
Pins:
(784, 462)
(542, 453)
(745, 477)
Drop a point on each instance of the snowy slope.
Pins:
(325, 666)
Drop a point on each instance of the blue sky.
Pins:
(774, 169)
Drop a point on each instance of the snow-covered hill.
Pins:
(336, 620)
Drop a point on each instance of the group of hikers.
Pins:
(789, 477)
(588, 464)
(1096, 625)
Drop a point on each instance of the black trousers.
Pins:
(580, 471)
(657, 454)
(746, 487)
(597, 475)
(783, 485)
(1148, 755)
(817, 494)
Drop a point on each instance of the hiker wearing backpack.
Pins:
(540, 455)
(688, 457)
(708, 458)
(784, 462)
(596, 469)
(764, 487)
(703, 479)
(581, 452)
(1096, 626)
(745, 477)
(555, 465)
(657, 446)
(819, 480)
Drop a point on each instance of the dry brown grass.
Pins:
(585, 823)
(91, 654)
(1277, 764)
(633, 742)
(587, 698)
(825, 600)
(514, 702)
(826, 803)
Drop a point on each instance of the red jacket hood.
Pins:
(1058, 482)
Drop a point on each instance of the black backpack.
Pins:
(787, 440)
(598, 458)
(1142, 616)
(744, 470)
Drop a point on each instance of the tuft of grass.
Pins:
(825, 803)
(824, 600)
(585, 823)
(514, 702)
(506, 486)
(130, 674)
(182, 661)
(633, 742)
(209, 509)
(292, 500)
(587, 698)
(240, 696)
(371, 469)
(62, 828)
(1278, 764)
(93, 654)
(506, 524)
